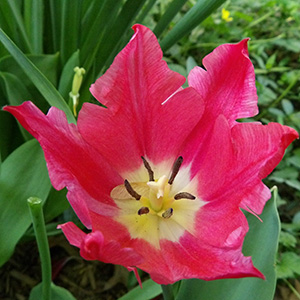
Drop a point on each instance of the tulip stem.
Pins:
(36, 212)
(167, 292)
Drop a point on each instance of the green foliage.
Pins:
(150, 290)
(23, 174)
(57, 293)
(289, 265)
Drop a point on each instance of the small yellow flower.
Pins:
(225, 15)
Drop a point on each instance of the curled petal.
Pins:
(228, 83)
(93, 246)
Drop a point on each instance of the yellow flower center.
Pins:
(159, 208)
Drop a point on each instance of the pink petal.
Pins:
(94, 246)
(214, 252)
(135, 122)
(193, 257)
(250, 151)
(71, 161)
(228, 84)
(259, 148)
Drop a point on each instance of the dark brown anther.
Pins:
(131, 191)
(168, 213)
(143, 211)
(175, 169)
(147, 166)
(184, 195)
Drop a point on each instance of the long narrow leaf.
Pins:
(7, 21)
(146, 9)
(70, 28)
(173, 8)
(94, 37)
(199, 12)
(114, 35)
(55, 12)
(16, 92)
(89, 13)
(37, 25)
(23, 174)
(20, 22)
(40, 81)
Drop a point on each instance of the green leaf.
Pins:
(95, 35)
(56, 204)
(271, 61)
(294, 183)
(16, 93)
(23, 174)
(40, 81)
(261, 243)
(145, 11)
(173, 8)
(289, 265)
(149, 291)
(287, 239)
(55, 8)
(284, 174)
(34, 22)
(114, 35)
(287, 106)
(199, 12)
(70, 25)
(295, 160)
(10, 137)
(190, 64)
(47, 62)
(17, 17)
(57, 293)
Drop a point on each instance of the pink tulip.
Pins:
(161, 174)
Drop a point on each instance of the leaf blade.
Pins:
(199, 12)
(23, 174)
(40, 81)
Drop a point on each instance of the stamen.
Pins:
(175, 169)
(147, 166)
(184, 195)
(143, 211)
(131, 191)
(168, 213)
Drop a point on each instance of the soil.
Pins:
(88, 280)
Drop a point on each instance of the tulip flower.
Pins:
(160, 174)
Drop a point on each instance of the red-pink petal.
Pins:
(134, 89)
(93, 246)
(71, 161)
(228, 83)
(258, 148)
(250, 151)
